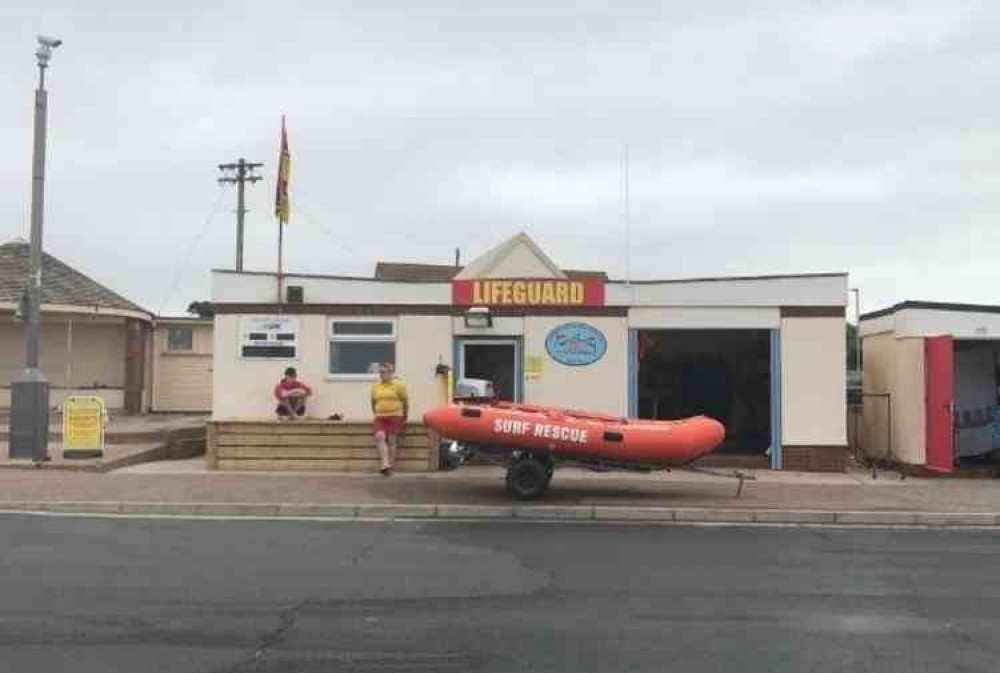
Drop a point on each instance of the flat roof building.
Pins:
(931, 383)
(765, 355)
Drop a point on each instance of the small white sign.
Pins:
(269, 338)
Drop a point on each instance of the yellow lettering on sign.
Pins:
(527, 292)
(548, 294)
(534, 292)
(518, 291)
(562, 293)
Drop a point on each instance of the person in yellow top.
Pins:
(391, 407)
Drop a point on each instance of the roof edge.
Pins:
(711, 279)
(87, 309)
(931, 306)
(610, 281)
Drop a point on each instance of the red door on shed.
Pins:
(939, 384)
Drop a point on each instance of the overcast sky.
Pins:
(764, 137)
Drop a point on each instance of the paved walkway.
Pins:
(186, 482)
(115, 455)
(128, 440)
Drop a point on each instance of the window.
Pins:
(269, 338)
(357, 347)
(180, 339)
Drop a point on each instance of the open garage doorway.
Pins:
(976, 395)
(726, 374)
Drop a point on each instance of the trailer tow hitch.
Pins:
(739, 475)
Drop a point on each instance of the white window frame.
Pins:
(392, 337)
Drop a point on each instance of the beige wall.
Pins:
(242, 388)
(97, 356)
(813, 382)
(424, 341)
(521, 262)
(879, 373)
(895, 366)
(182, 380)
(601, 386)
(909, 418)
(201, 336)
(113, 399)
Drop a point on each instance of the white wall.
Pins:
(502, 327)
(704, 318)
(813, 382)
(881, 325)
(243, 388)
(601, 386)
(754, 292)
(959, 324)
(424, 342)
(229, 286)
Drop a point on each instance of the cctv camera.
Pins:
(47, 41)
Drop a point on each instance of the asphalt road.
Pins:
(107, 595)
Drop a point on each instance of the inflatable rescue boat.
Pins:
(547, 435)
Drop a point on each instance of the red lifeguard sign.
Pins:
(528, 292)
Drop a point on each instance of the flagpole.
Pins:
(281, 205)
(281, 238)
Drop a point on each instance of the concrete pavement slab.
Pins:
(957, 518)
(84, 507)
(237, 509)
(877, 518)
(579, 512)
(714, 515)
(397, 511)
(337, 511)
(633, 513)
(475, 511)
(160, 508)
(793, 516)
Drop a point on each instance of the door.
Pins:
(939, 384)
(184, 382)
(493, 360)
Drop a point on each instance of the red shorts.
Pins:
(390, 425)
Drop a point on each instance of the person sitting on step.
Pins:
(291, 395)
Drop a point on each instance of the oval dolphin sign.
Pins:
(576, 344)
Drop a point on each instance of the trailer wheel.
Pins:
(527, 479)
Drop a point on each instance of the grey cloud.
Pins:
(765, 137)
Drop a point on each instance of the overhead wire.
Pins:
(191, 249)
(337, 240)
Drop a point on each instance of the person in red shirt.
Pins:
(291, 395)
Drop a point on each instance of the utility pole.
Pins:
(239, 173)
(29, 413)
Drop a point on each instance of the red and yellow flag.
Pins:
(281, 204)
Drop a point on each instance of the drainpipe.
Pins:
(69, 354)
